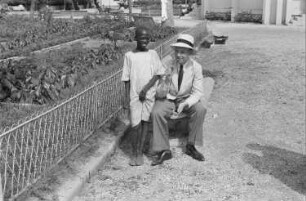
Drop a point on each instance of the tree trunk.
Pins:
(169, 9)
(203, 9)
(130, 10)
(32, 8)
(1, 192)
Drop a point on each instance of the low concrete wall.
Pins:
(272, 11)
(219, 5)
(228, 10)
(252, 6)
(241, 5)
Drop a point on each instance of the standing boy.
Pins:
(141, 69)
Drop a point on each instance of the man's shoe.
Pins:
(164, 155)
(191, 151)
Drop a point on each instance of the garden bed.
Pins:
(20, 35)
(224, 16)
(38, 81)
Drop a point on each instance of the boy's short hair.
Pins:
(139, 30)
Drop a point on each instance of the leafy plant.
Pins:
(157, 31)
(23, 35)
(225, 16)
(40, 79)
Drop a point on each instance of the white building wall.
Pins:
(254, 6)
(109, 3)
(274, 11)
(293, 7)
(219, 5)
(297, 7)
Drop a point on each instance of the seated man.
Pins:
(183, 97)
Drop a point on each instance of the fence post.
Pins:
(161, 51)
(1, 192)
(96, 108)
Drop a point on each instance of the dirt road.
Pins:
(254, 130)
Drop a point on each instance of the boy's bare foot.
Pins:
(139, 160)
(132, 161)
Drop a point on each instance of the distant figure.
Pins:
(182, 10)
(123, 4)
(185, 10)
(190, 6)
(141, 69)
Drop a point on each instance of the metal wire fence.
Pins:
(31, 148)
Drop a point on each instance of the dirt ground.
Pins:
(254, 132)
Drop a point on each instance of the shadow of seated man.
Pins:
(287, 166)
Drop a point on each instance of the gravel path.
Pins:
(254, 130)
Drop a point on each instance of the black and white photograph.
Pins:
(158, 100)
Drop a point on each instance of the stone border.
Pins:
(66, 180)
(72, 187)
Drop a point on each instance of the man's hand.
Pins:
(181, 107)
(142, 95)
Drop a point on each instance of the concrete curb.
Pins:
(66, 180)
(70, 189)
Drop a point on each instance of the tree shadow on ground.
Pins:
(287, 166)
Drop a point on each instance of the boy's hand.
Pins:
(142, 95)
(126, 104)
(181, 107)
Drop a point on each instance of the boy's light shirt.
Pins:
(139, 68)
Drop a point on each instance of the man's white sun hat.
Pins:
(184, 40)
